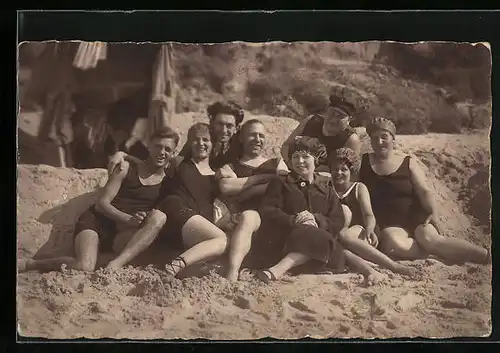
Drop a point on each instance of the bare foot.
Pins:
(113, 265)
(373, 278)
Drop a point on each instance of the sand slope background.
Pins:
(140, 302)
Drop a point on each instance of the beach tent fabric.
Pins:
(163, 90)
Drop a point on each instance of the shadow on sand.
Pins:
(60, 242)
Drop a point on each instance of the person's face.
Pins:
(161, 151)
(341, 174)
(303, 163)
(382, 142)
(201, 145)
(223, 127)
(253, 138)
(335, 122)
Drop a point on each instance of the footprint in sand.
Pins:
(243, 302)
(301, 311)
(335, 302)
(301, 306)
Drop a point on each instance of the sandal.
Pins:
(246, 272)
(174, 268)
(265, 276)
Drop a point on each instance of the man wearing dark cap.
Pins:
(331, 127)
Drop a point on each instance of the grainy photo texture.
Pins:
(242, 191)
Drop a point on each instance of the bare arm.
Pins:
(109, 192)
(366, 208)
(354, 143)
(297, 132)
(230, 184)
(422, 189)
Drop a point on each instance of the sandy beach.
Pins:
(140, 302)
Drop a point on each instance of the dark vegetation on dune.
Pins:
(423, 87)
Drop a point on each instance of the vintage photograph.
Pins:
(240, 191)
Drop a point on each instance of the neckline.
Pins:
(384, 175)
(347, 192)
(251, 166)
(146, 185)
(199, 171)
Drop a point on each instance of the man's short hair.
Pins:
(229, 108)
(165, 133)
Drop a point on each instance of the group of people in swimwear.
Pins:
(221, 195)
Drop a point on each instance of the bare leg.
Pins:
(204, 241)
(358, 264)
(86, 248)
(397, 244)
(449, 248)
(290, 261)
(141, 240)
(241, 241)
(350, 238)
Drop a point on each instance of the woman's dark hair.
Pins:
(164, 133)
(229, 108)
(310, 145)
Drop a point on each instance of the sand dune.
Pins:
(140, 302)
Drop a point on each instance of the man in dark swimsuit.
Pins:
(129, 194)
(243, 183)
(331, 128)
(225, 119)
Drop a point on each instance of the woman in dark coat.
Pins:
(306, 212)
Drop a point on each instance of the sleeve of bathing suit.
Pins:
(271, 209)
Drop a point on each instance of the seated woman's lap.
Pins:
(397, 242)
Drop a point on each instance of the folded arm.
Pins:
(230, 184)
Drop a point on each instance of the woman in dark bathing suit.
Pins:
(243, 183)
(359, 237)
(189, 205)
(126, 199)
(403, 203)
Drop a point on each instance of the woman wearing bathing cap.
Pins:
(403, 203)
(331, 127)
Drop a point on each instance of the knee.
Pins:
(156, 218)
(427, 237)
(250, 218)
(391, 242)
